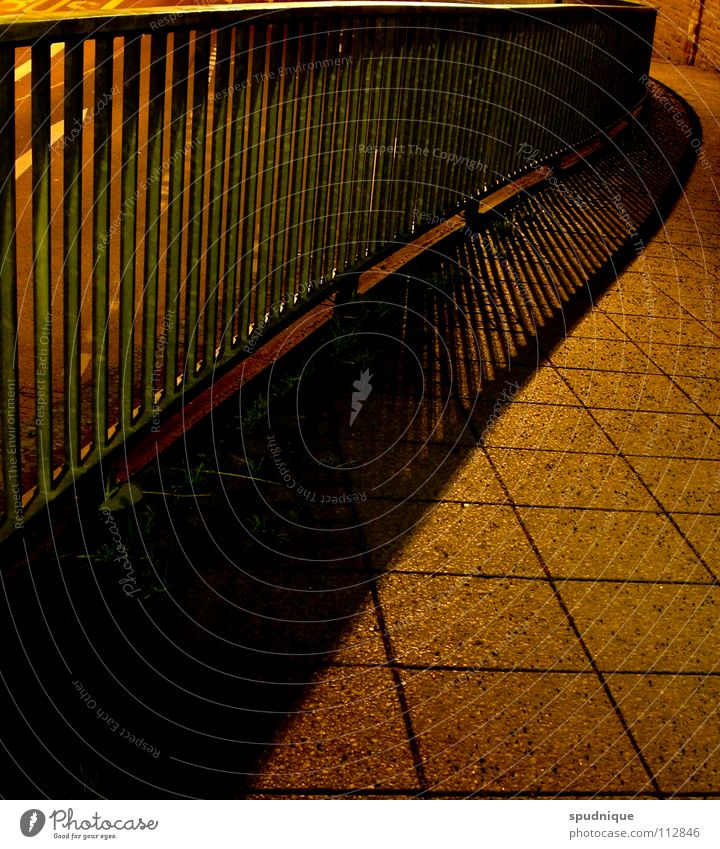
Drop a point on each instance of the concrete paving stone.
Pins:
(687, 233)
(676, 723)
(652, 627)
(429, 472)
(695, 296)
(674, 331)
(544, 386)
(661, 434)
(604, 355)
(521, 358)
(688, 486)
(712, 323)
(638, 298)
(704, 391)
(670, 355)
(684, 360)
(463, 377)
(661, 251)
(484, 343)
(474, 539)
(409, 418)
(320, 613)
(649, 265)
(703, 532)
(607, 545)
(547, 426)
(478, 622)
(493, 732)
(557, 479)
(703, 307)
(704, 257)
(348, 734)
(595, 325)
(627, 391)
(501, 370)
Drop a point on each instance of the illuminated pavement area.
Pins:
(501, 579)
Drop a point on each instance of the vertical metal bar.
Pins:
(9, 406)
(394, 214)
(488, 113)
(345, 155)
(475, 110)
(101, 236)
(384, 82)
(287, 154)
(193, 283)
(424, 64)
(217, 186)
(356, 210)
(152, 354)
(326, 155)
(268, 281)
(41, 251)
(253, 164)
(298, 180)
(435, 105)
(176, 188)
(457, 178)
(310, 162)
(72, 253)
(230, 299)
(128, 200)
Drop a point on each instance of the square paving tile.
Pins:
(608, 545)
(635, 295)
(684, 360)
(685, 485)
(676, 723)
(596, 325)
(407, 418)
(479, 622)
(449, 537)
(601, 354)
(491, 733)
(547, 426)
(627, 391)
(651, 627)
(704, 534)
(685, 330)
(430, 471)
(704, 391)
(661, 434)
(347, 734)
(557, 479)
(544, 386)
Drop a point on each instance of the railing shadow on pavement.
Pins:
(254, 616)
(185, 178)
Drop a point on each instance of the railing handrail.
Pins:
(188, 230)
(32, 26)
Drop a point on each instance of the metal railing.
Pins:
(171, 182)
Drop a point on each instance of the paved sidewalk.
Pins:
(499, 578)
(550, 626)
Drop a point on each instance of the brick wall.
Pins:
(677, 25)
(708, 53)
(671, 30)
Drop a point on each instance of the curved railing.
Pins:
(180, 179)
